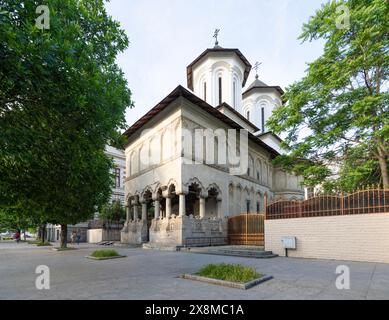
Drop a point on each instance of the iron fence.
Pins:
(374, 200)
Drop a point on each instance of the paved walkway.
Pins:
(149, 274)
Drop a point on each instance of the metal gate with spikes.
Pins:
(247, 229)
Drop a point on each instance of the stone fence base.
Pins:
(177, 231)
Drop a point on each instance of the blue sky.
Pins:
(166, 35)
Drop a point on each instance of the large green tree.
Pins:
(341, 105)
(62, 99)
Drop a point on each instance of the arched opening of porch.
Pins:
(192, 199)
(213, 202)
(171, 202)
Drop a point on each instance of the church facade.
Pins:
(203, 154)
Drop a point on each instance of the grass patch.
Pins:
(104, 253)
(229, 272)
(64, 249)
(43, 244)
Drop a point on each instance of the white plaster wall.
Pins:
(362, 237)
(163, 169)
(219, 175)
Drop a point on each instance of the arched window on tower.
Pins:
(248, 115)
(205, 91)
(234, 93)
(220, 90)
(263, 119)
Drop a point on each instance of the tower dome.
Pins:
(259, 101)
(218, 75)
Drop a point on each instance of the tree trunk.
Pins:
(384, 170)
(42, 233)
(64, 235)
(39, 233)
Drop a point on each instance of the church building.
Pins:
(204, 154)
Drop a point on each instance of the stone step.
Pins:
(246, 252)
(256, 253)
(155, 246)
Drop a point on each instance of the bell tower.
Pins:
(218, 75)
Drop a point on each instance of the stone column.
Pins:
(202, 207)
(127, 213)
(182, 210)
(135, 211)
(168, 207)
(156, 209)
(219, 208)
(144, 211)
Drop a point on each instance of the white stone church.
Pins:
(204, 154)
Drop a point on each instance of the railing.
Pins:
(246, 229)
(374, 200)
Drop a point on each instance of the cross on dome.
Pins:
(215, 35)
(256, 67)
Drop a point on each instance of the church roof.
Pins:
(180, 91)
(238, 114)
(261, 85)
(270, 133)
(189, 69)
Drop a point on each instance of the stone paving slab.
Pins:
(152, 274)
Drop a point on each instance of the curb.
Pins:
(104, 258)
(236, 285)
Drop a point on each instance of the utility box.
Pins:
(289, 242)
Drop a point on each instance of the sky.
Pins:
(167, 35)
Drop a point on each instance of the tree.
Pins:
(62, 99)
(12, 220)
(342, 102)
(114, 211)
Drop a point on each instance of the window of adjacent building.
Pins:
(248, 206)
(258, 207)
(263, 119)
(117, 177)
(258, 176)
(220, 90)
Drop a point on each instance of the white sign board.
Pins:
(289, 242)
